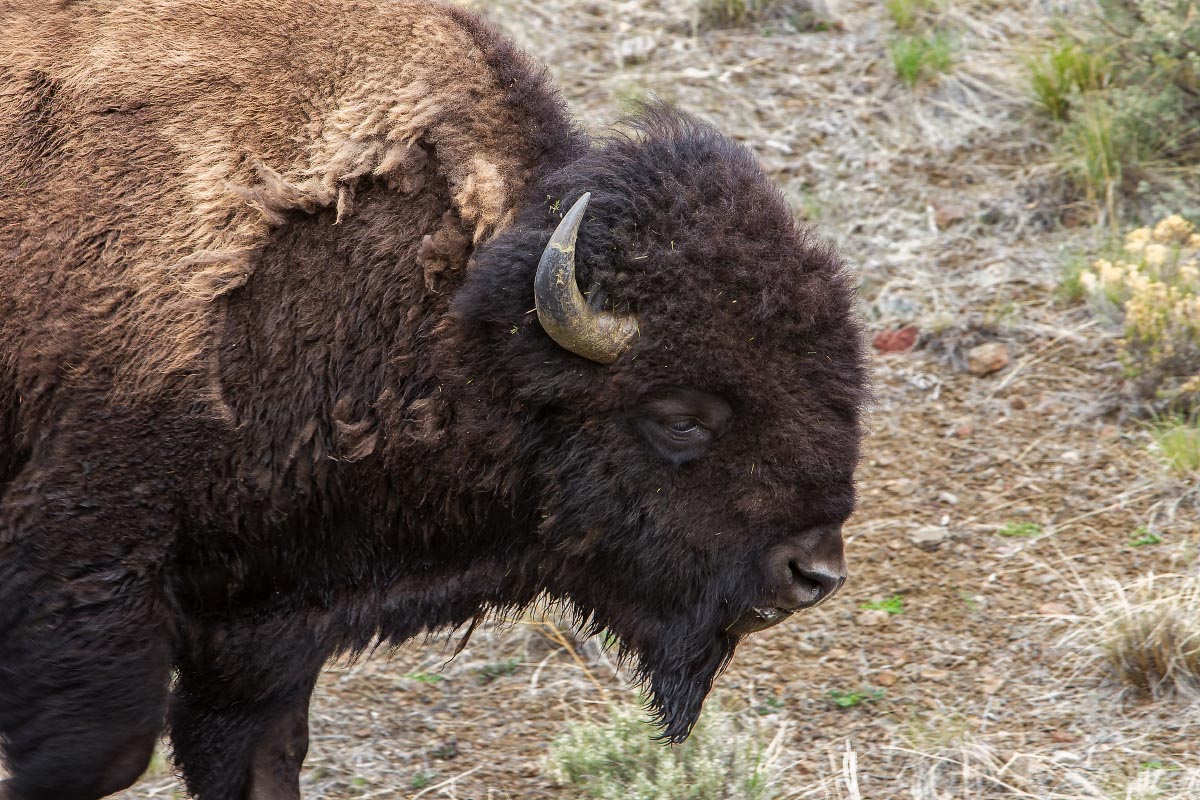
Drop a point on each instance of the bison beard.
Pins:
(677, 663)
(301, 355)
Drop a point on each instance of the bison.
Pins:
(322, 325)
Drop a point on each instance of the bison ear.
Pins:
(565, 314)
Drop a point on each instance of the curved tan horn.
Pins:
(597, 335)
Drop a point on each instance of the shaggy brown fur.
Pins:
(271, 387)
(166, 138)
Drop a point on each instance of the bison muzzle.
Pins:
(322, 325)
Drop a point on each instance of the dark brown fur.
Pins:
(271, 388)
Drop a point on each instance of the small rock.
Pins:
(1063, 737)
(934, 674)
(1054, 609)
(949, 498)
(987, 358)
(873, 618)
(924, 381)
(929, 538)
(902, 487)
(886, 677)
(1017, 403)
(836, 654)
(963, 430)
(897, 341)
(946, 215)
(1110, 432)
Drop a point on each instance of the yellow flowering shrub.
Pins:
(1152, 288)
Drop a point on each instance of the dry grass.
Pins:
(733, 13)
(1147, 634)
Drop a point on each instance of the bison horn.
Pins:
(565, 314)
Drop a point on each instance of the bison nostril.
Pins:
(815, 583)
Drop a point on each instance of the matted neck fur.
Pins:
(273, 385)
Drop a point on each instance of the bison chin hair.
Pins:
(674, 660)
(676, 684)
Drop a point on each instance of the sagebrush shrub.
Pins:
(1152, 290)
(725, 759)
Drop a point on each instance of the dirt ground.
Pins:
(946, 200)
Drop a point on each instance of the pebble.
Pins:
(873, 618)
(1063, 737)
(946, 215)
(929, 538)
(836, 654)
(949, 498)
(886, 678)
(897, 341)
(934, 674)
(987, 358)
(1017, 403)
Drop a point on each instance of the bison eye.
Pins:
(680, 425)
(684, 427)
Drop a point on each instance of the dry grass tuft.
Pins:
(714, 14)
(1177, 442)
(915, 57)
(1147, 633)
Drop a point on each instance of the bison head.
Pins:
(688, 375)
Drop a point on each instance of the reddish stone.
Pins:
(897, 341)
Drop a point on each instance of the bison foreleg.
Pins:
(85, 642)
(239, 718)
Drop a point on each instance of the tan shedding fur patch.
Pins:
(147, 151)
